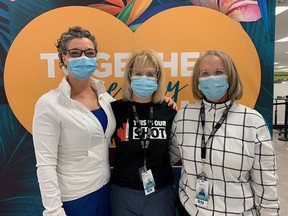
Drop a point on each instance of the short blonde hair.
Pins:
(235, 90)
(141, 58)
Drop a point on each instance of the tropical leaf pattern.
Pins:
(4, 37)
(18, 181)
(19, 191)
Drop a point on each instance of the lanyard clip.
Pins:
(202, 176)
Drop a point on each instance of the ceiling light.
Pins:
(276, 63)
(280, 67)
(282, 40)
(280, 9)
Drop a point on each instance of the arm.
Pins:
(46, 133)
(263, 175)
(174, 144)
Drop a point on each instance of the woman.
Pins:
(72, 129)
(226, 150)
(142, 175)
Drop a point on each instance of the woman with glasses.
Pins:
(228, 159)
(142, 175)
(72, 129)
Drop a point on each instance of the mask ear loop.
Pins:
(64, 68)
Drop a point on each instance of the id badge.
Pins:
(148, 182)
(201, 194)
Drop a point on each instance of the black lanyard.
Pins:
(215, 128)
(145, 145)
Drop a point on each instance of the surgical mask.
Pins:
(213, 87)
(143, 86)
(82, 67)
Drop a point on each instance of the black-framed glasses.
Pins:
(74, 53)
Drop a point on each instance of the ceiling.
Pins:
(281, 31)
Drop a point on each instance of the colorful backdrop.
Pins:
(178, 30)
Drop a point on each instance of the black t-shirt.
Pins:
(129, 155)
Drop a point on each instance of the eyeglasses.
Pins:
(74, 53)
(149, 72)
(205, 73)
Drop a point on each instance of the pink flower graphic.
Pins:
(238, 10)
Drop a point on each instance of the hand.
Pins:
(171, 103)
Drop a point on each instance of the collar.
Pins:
(216, 106)
(97, 85)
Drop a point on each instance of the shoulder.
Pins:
(164, 105)
(190, 108)
(47, 105)
(49, 98)
(246, 110)
(120, 104)
(189, 111)
(163, 109)
(252, 115)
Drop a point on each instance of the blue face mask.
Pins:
(82, 67)
(143, 87)
(213, 87)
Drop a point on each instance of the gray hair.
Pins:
(66, 37)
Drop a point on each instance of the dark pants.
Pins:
(130, 202)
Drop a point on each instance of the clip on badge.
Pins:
(201, 193)
(148, 182)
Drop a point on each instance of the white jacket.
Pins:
(70, 145)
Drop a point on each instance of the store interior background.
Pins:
(281, 55)
(281, 90)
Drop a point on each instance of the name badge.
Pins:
(201, 194)
(148, 182)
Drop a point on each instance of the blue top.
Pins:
(101, 116)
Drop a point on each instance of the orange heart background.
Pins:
(32, 66)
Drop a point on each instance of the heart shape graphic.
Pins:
(179, 35)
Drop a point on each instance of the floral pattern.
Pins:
(128, 12)
(238, 10)
(131, 11)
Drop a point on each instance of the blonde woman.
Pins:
(142, 175)
(228, 159)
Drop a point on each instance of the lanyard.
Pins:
(215, 128)
(145, 145)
